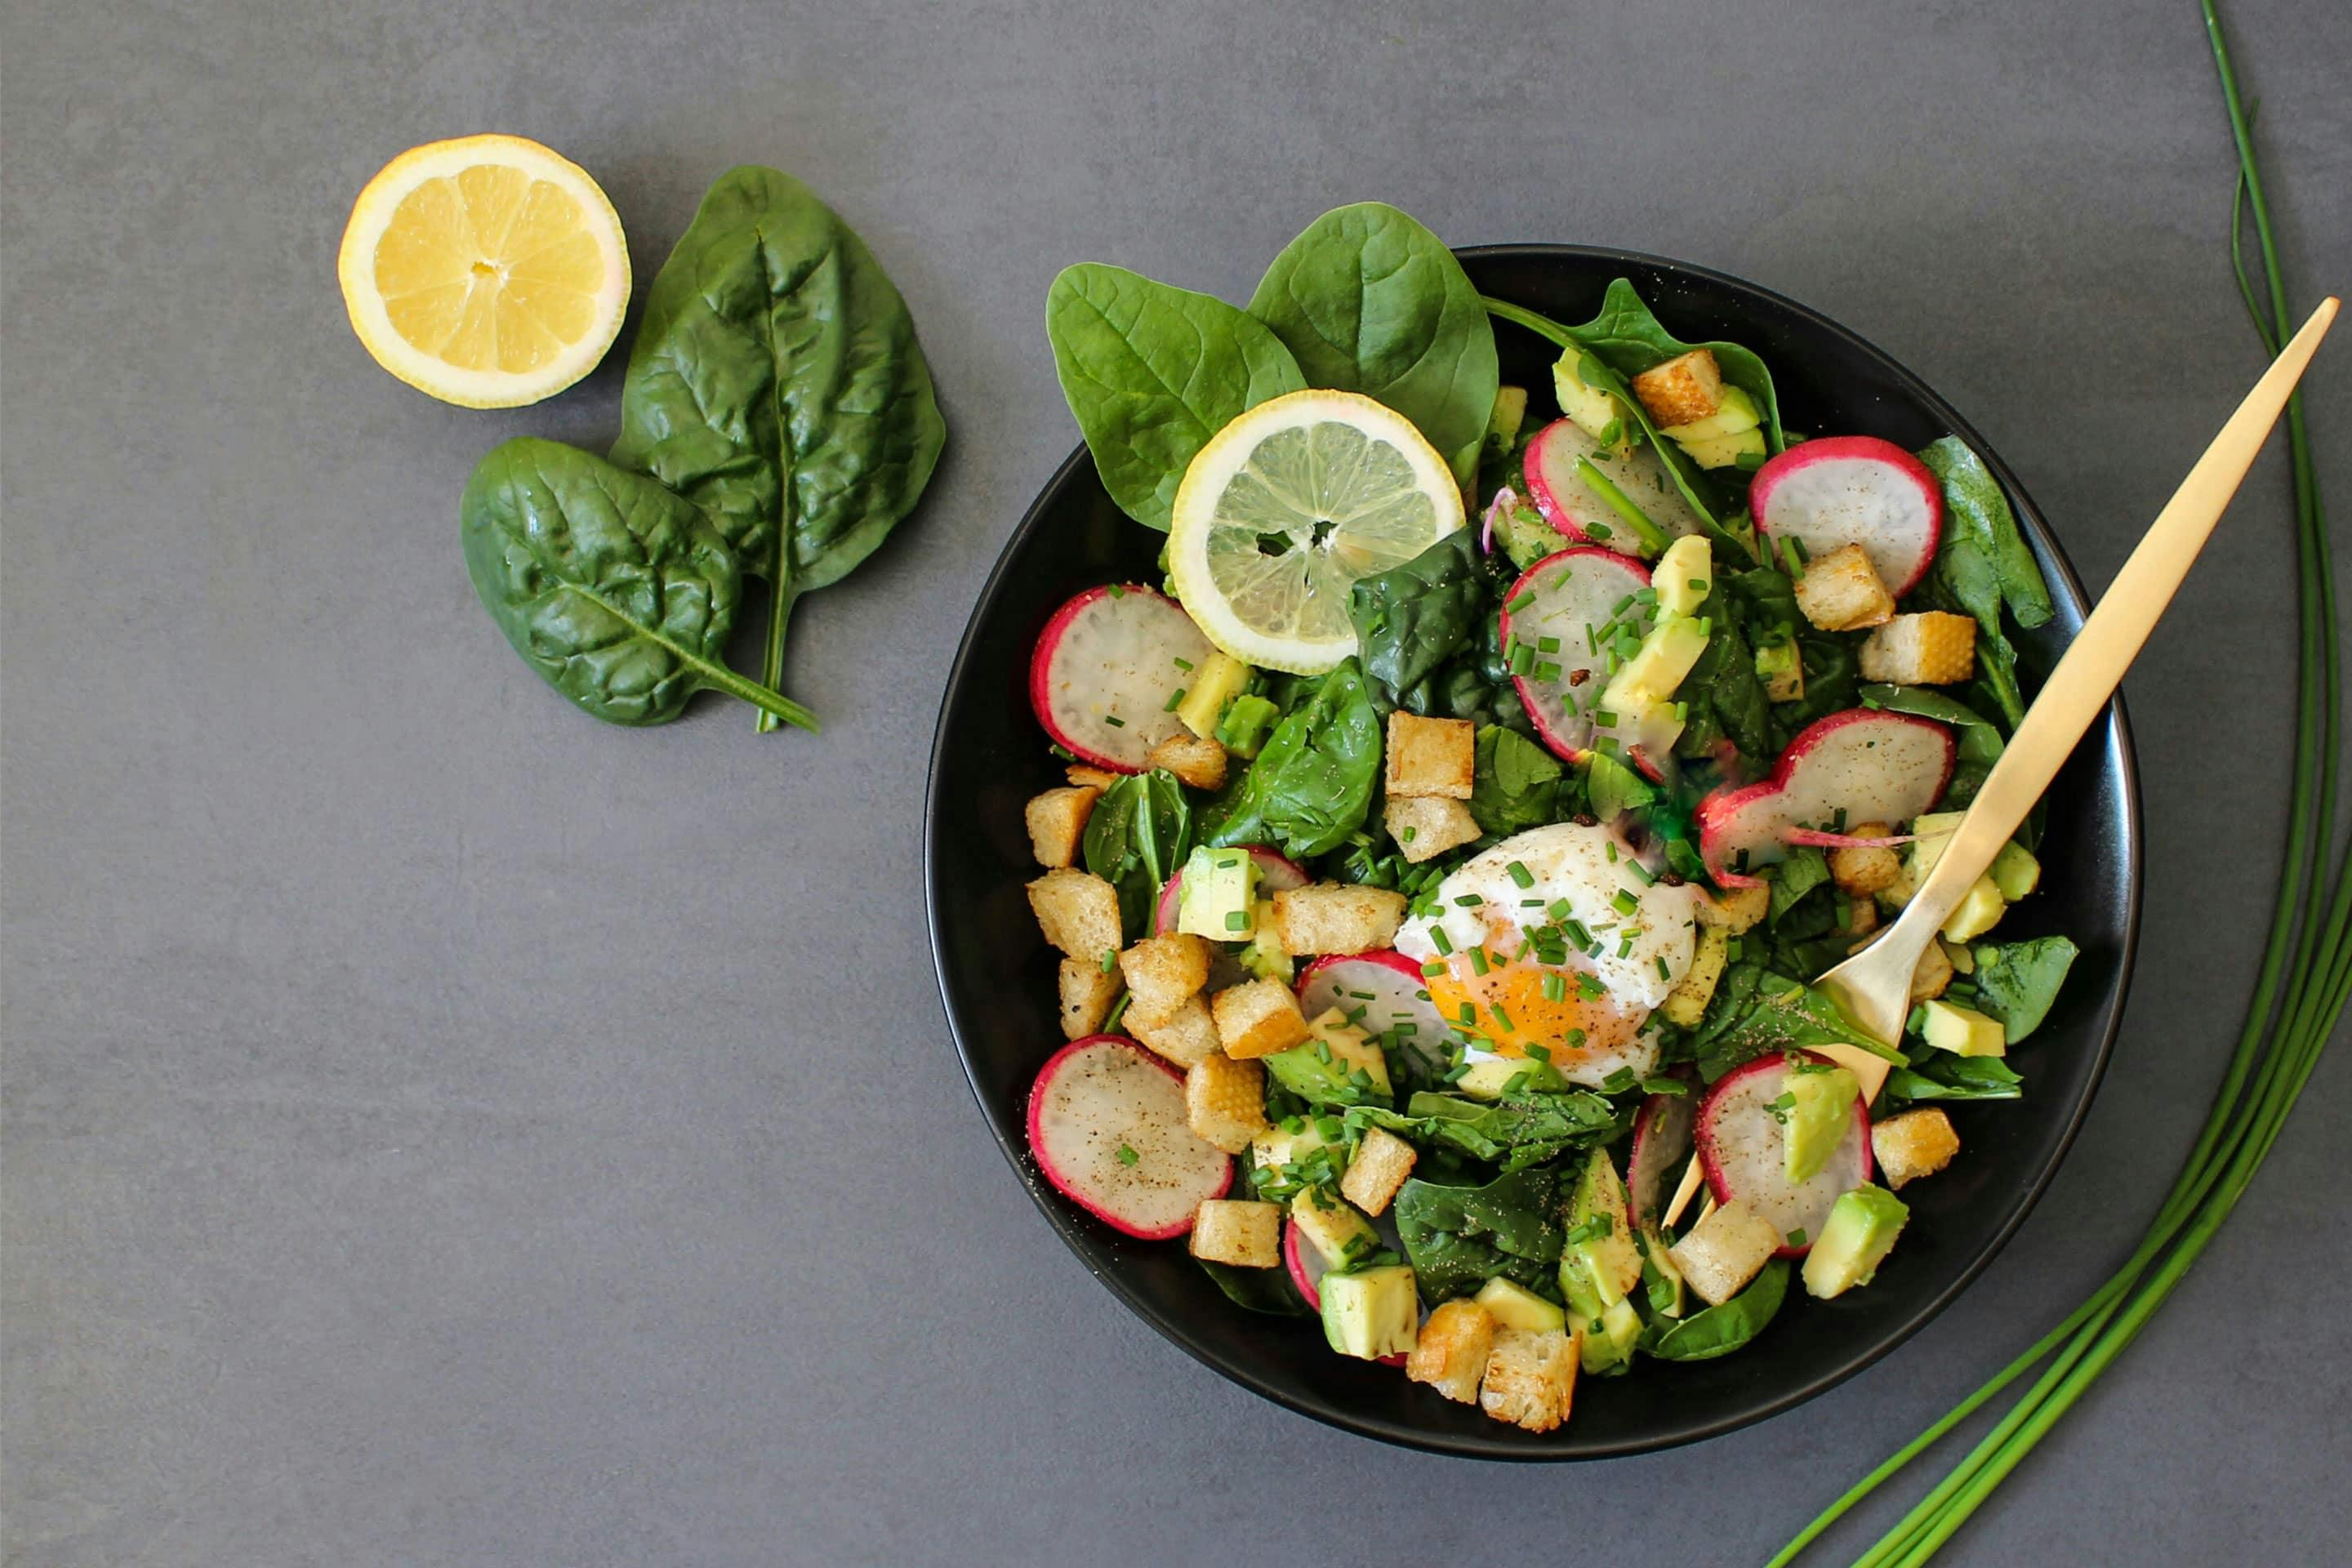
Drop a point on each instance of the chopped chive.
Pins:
(1513, 606)
(1520, 875)
(1174, 699)
(1555, 988)
(1431, 971)
(1502, 1019)
(1114, 721)
(1664, 973)
(1186, 664)
(1478, 961)
(1237, 919)
(1624, 901)
(1547, 644)
(1110, 959)
(1127, 1154)
(1438, 939)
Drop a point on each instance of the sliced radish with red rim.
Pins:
(1861, 765)
(1098, 1096)
(1743, 1146)
(1306, 1265)
(1853, 489)
(1568, 598)
(1662, 1143)
(1565, 494)
(1383, 992)
(1107, 671)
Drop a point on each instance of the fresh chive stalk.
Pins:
(1654, 538)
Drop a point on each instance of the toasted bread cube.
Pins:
(1077, 910)
(1530, 1378)
(1164, 973)
(1186, 1036)
(1082, 776)
(1684, 390)
(1451, 1353)
(1239, 1231)
(1425, 827)
(1685, 1005)
(1725, 1250)
(1841, 592)
(1257, 1019)
(1088, 992)
(1333, 917)
(1861, 872)
(1431, 756)
(1915, 1144)
(1933, 976)
(1057, 822)
(1199, 762)
(1382, 1162)
(1930, 648)
(1860, 917)
(1735, 910)
(1224, 1101)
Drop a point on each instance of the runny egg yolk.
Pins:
(1513, 1005)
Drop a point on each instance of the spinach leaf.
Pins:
(1755, 1011)
(1629, 339)
(1517, 784)
(1459, 1238)
(1805, 869)
(1833, 680)
(618, 593)
(1151, 372)
(1137, 837)
(1369, 300)
(1267, 1290)
(776, 383)
(1983, 564)
(1530, 1131)
(1412, 618)
(1311, 784)
(1614, 787)
(2016, 982)
(1719, 1331)
(1725, 700)
(1939, 1074)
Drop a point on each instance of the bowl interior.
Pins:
(996, 974)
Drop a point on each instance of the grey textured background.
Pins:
(443, 1131)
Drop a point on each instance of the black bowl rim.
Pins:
(1067, 1224)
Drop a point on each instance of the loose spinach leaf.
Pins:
(1151, 372)
(1137, 837)
(1412, 618)
(1614, 787)
(1267, 1290)
(1983, 564)
(1311, 784)
(1726, 699)
(1719, 1331)
(1529, 1131)
(2016, 982)
(1755, 1011)
(1458, 1237)
(1369, 300)
(1805, 869)
(1517, 784)
(776, 383)
(617, 592)
(1939, 1074)
(1629, 339)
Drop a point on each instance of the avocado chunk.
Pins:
(1488, 1077)
(1683, 576)
(1515, 1306)
(1642, 694)
(1600, 1262)
(1244, 727)
(1339, 1064)
(1594, 411)
(1608, 1340)
(1734, 415)
(1371, 1312)
(1855, 1240)
(1781, 669)
(2015, 871)
(1963, 1031)
(1218, 898)
(1503, 420)
(1221, 679)
(1724, 451)
(1816, 1108)
(1979, 911)
(1333, 1228)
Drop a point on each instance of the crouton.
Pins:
(1057, 822)
(1224, 1101)
(1684, 390)
(1915, 1144)
(1081, 776)
(1530, 1378)
(1841, 592)
(1239, 1231)
(1185, 1037)
(1382, 1162)
(1088, 992)
(1164, 973)
(1933, 974)
(1735, 910)
(1685, 1005)
(1858, 917)
(1340, 1235)
(1431, 756)
(1425, 827)
(1330, 917)
(1257, 1019)
(1930, 648)
(1451, 1353)
(1863, 871)
(1727, 1248)
(1078, 912)
(1199, 762)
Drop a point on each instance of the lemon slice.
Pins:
(1287, 507)
(489, 271)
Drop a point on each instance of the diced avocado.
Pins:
(1735, 413)
(1855, 1240)
(1725, 451)
(1503, 421)
(2015, 871)
(1281, 1145)
(1962, 959)
(1818, 1113)
(1594, 411)
(1525, 536)
(1489, 1078)
(1685, 1005)
(1602, 1263)
(1246, 724)
(1781, 669)
(1265, 957)
(1609, 1339)
(1515, 1306)
(1663, 1278)
(1218, 898)
(1963, 1031)
(1979, 912)
(1334, 1228)
(1220, 677)
(1684, 575)
(1339, 1064)
(1929, 835)
(1371, 1312)
(1642, 694)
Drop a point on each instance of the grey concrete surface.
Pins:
(441, 1130)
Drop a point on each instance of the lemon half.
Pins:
(489, 271)
(1290, 504)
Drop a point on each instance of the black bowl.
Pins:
(996, 974)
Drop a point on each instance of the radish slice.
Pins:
(1874, 766)
(1275, 874)
(1662, 1141)
(1570, 596)
(1853, 489)
(1097, 1096)
(1107, 670)
(1386, 987)
(1569, 503)
(1743, 1147)
(1306, 1265)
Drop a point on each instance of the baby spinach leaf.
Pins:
(1939, 1074)
(2016, 982)
(1151, 372)
(1726, 699)
(1369, 300)
(1311, 784)
(1412, 618)
(1517, 784)
(1546, 1124)
(1615, 788)
(1137, 837)
(1719, 1331)
(1805, 869)
(1459, 1238)
(1628, 339)
(617, 592)
(1755, 1011)
(1983, 564)
(776, 383)
(1267, 1290)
